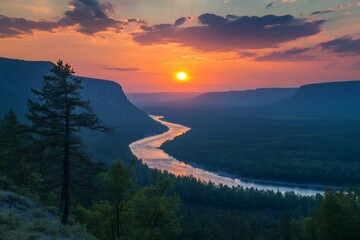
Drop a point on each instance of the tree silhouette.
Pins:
(14, 154)
(57, 119)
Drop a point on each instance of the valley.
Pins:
(148, 151)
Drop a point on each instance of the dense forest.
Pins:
(47, 162)
(300, 150)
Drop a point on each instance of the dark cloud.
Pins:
(180, 21)
(212, 19)
(323, 12)
(231, 16)
(294, 54)
(14, 27)
(90, 17)
(345, 46)
(216, 33)
(123, 69)
(270, 5)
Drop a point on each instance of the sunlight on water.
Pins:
(148, 150)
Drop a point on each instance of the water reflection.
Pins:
(147, 149)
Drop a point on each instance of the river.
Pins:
(148, 150)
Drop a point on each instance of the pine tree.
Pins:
(14, 140)
(107, 219)
(120, 189)
(336, 217)
(57, 119)
(153, 214)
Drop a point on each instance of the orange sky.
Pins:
(139, 66)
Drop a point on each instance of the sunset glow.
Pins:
(138, 44)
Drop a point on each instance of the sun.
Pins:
(181, 76)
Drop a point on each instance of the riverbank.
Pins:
(148, 150)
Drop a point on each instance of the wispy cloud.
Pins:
(324, 12)
(331, 10)
(269, 5)
(123, 69)
(288, 1)
(247, 54)
(294, 54)
(344, 46)
(346, 6)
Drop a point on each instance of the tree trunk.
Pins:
(65, 187)
(65, 192)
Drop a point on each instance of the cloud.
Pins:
(217, 33)
(247, 54)
(331, 10)
(294, 54)
(270, 5)
(123, 69)
(87, 16)
(90, 17)
(13, 27)
(212, 19)
(346, 6)
(181, 21)
(344, 46)
(323, 12)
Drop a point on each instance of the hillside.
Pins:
(321, 100)
(17, 77)
(146, 99)
(334, 99)
(22, 218)
(244, 98)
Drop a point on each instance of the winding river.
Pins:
(148, 150)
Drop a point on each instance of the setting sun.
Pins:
(181, 76)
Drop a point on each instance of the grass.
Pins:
(24, 219)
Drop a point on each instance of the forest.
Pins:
(47, 161)
(302, 150)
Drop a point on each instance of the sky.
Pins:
(221, 44)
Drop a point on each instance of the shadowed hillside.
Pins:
(146, 99)
(17, 77)
(335, 99)
(244, 98)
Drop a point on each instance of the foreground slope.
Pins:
(17, 77)
(22, 218)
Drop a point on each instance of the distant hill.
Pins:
(145, 99)
(17, 77)
(244, 98)
(334, 99)
(321, 100)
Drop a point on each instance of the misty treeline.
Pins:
(47, 161)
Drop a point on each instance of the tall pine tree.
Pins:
(57, 118)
